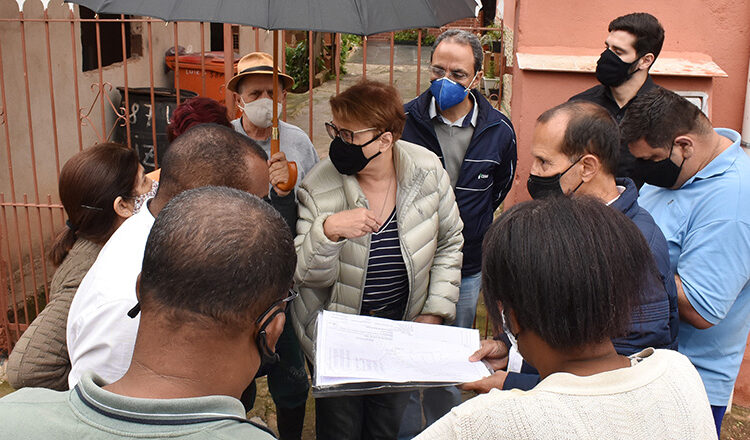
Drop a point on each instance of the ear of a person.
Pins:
(123, 208)
(591, 166)
(274, 329)
(515, 327)
(386, 140)
(138, 288)
(477, 81)
(647, 61)
(686, 144)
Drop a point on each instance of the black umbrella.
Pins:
(361, 17)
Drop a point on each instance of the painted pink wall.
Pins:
(719, 28)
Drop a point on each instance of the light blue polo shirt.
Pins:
(707, 225)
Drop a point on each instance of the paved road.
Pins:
(378, 68)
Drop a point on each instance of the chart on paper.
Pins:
(354, 349)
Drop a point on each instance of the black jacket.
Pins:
(486, 173)
(602, 95)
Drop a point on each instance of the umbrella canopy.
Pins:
(361, 17)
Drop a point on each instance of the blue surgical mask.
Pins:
(448, 93)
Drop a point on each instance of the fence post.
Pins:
(4, 290)
(228, 68)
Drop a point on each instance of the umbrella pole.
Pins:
(275, 120)
(292, 166)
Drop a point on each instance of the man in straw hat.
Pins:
(253, 87)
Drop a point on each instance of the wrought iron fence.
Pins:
(59, 67)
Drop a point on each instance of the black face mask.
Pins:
(611, 70)
(349, 158)
(540, 187)
(268, 357)
(663, 173)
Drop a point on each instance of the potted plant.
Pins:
(492, 40)
(489, 81)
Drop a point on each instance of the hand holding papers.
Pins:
(353, 349)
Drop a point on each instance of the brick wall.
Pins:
(465, 22)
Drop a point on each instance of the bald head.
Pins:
(217, 255)
(212, 155)
(580, 128)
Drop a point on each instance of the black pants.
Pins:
(371, 417)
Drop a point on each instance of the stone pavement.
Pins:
(378, 68)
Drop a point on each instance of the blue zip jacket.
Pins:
(657, 321)
(486, 173)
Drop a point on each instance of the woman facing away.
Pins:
(99, 188)
(562, 276)
(379, 234)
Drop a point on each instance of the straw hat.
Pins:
(257, 63)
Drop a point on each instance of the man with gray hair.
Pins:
(477, 146)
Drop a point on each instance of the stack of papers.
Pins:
(354, 349)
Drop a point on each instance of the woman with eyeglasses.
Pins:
(99, 188)
(379, 234)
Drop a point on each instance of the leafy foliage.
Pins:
(412, 35)
(348, 42)
(297, 65)
(496, 34)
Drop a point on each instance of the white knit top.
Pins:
(660, 397)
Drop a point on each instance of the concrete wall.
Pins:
(24, 243)
(719, 28)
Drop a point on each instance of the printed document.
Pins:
(355, 349)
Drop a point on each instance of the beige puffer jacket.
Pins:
(330, 275)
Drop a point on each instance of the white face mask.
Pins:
(259, 112)
(506, 329)
(141, 200)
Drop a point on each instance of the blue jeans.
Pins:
(468, 295)
(437, 402)
(718, 413)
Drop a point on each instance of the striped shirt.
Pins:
(387, 283)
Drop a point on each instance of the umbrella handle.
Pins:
(289, 184)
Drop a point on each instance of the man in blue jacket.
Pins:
(575, 151)
(477, 146)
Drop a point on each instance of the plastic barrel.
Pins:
(142, 116)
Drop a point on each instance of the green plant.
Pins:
(406, 35)
(348, 42)
(495, 34)
(412, 35)
(297, 65)
(490, 71)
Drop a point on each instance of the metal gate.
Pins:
(59, 70)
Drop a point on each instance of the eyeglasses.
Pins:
(455, 75)
(346, 135)
(291, 295)
(289, 298)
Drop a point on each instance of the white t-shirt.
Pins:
(100, 334)
(660, 397)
